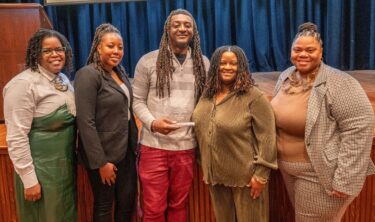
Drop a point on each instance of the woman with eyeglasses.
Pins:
(39, 114)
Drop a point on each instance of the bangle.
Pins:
(152, 126)
(260, 180)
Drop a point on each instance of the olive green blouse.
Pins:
(236, 138)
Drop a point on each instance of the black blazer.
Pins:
(102, 118)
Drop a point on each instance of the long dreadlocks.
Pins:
(34, 49)
(243, 81)
(164, 62)
(94, 56)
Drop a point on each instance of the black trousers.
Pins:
(123, 192)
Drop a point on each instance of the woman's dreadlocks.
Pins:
(94, 56)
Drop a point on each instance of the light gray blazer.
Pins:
(338, 130)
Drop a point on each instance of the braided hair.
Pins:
(164, 62)
(94, 56)
(243, 81)
(308, 29)
(34, 49)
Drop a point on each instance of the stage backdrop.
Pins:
(264, 29)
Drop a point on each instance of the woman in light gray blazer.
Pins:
(324, 132)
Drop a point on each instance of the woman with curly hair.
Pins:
(39, 114)
(235, 129)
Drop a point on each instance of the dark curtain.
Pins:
(264, 29)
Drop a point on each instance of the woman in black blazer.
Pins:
(108, 134)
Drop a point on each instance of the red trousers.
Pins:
(166, 178)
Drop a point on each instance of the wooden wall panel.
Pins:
(363, 207)
(199, 206)
(281, 209)
(7, 197)
(84, 196)
(18, 23)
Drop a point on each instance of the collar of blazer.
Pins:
(316, 97)
(113, 84)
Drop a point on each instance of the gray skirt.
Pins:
(309, 198)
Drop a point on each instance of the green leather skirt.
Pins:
(52, 144)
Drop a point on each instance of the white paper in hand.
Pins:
(186, 124)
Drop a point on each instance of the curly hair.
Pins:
(34, 49)
(164, 63)
(94, 56)
(243, 81)
(308, 29)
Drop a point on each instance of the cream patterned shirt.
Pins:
(28, 95)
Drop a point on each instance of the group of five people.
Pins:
(319, 123)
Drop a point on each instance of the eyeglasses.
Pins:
(49, 51)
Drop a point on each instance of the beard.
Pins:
(180, 44)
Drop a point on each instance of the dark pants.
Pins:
(123, 192)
